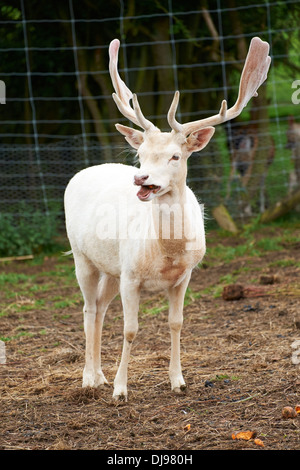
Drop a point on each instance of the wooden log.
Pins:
(17, 258)
(224, 219)
(281, 208)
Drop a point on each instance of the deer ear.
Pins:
(134, 138)
(199, 139)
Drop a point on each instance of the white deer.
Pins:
(117, 234)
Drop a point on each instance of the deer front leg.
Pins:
(130, 295)
(107, 290)
(97, 296)
(176, 299)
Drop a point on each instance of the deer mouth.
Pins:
(146, 190)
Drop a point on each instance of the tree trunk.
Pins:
(162, 56)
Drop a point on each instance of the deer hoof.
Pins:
(90, 379)
(180, 389)
(120, 398)
(100, 379)
(120, 394)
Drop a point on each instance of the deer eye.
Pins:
(175, 157)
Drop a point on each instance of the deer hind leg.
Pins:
(97, 296)
(176, 300)
(108, 288)
(130, 295)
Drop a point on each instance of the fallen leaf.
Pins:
(245, 435)
(297, 409)
(187, 427)
(259, 442)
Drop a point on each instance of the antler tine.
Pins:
(176, 126)
(144, 123)
(253, 75)
(123, 95)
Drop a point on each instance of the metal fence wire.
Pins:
(59, 116)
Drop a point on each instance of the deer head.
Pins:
(163, 155)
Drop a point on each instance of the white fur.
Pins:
(137, 260)
(125, 237)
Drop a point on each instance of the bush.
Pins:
(29, 232)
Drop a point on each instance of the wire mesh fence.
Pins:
(59, 116)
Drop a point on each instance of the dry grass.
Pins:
(236, 359)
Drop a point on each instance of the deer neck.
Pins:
(169, 221)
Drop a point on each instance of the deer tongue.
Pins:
(145, 191)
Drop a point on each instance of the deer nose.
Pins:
(140, 180)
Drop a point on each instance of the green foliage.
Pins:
(149, 68)
(30, 232)
(10, 12)
(142, 22)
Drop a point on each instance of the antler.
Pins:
(253, 75)
(123, 95)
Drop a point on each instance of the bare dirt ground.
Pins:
(236, 360)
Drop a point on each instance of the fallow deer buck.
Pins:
(117, 234)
